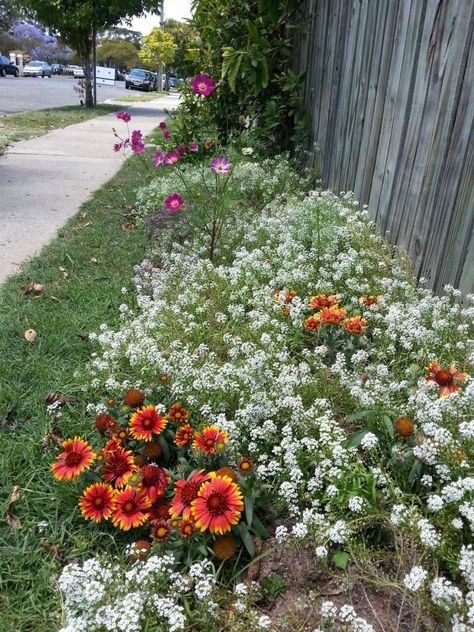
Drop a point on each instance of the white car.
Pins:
(78, 73)
(37, 69)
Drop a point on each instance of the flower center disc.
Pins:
(444, 377)
(129, 507)
(73, 458)
(98, 502)
(214, 503)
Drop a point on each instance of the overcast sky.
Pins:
(177, 9)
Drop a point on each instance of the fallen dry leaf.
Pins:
(33, 288)
(128, 226)
(93, 260)
(12, 520)
(51, 438)
(53, 550)
(55, 298)
(64, 271)
(31, 335)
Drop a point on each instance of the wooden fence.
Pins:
(390, 87)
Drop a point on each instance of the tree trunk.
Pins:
(85, 53)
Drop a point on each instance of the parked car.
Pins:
(37, 69)
(7, 67)
(141, 79)
(57, 69)
(69, 69)
(119, 75)
(78, 72)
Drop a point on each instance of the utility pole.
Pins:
(162, 26)
(94, 60)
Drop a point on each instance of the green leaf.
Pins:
(356, 437)
(389, 425)
(246, 538)
(340, 559)
(415, 471)
(164, 446)
(248, 501)
(258, 528)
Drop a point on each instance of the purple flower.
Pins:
(181, 149)
(162, 125)
(137, 145)
(203, 84)
(220, 165)
(118, 146)
(171, 158)
(158, 159)
(123, 116)
(167, 135)
(174, 203)
(193, 146)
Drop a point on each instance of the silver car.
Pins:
(37, 69)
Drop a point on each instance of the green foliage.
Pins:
(249, 46)
(117, 53)
(157, 49)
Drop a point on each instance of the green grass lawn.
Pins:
(82, 271)
(141, 97)
(15, 127)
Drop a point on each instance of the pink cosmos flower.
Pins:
(162, 125)
(174, 203)
(171, 158)
(118, 146)
(193, 146)
(203, 84)
(137, 144)
(123, 116)
(220, 165)
(167, 135)
(158, 159)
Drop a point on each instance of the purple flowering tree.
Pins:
(33, 40)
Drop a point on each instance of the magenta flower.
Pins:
(203, 84)
(174, 203)
(181, 149)
(158, 159)
(137, 145)
(167, 135)
(117, 147)
(220, 165)
(162, 125)
(124, 116)
(171, 158)
(193, 146)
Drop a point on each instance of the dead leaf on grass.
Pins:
(64, 271)
(55, 298)
(33, 288)
(12, 520)
(93, 260)
(31, 335)
(53, 550)
(128, 226)
(52, 398)
(51, 439)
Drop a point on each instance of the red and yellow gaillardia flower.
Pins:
(313, 323)
(105, 423)
(184, 435)
(97, 502)
(370, 300)
(161, 531)
(445, 378)
(218, 506)
(178, 414)
(245, 466)
(130, 509)
(112, 445)
(210, 440)
(134, 398)
(154, 482)
(321, 301)
(146, 422)
(332, 315)
(159, 511)
(186, 528)
(77, 457)
(185, 491)
(404, 427)
(119, 467)
(285, 311)
(121, 433)
(354, 325)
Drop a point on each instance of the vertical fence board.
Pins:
(390, 89)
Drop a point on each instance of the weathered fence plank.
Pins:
(390, 89)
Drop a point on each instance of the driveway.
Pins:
(20, 94)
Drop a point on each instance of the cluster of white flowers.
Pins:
(345, 616)
(231, 340)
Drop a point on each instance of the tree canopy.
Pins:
(117, 52)
(157, 48)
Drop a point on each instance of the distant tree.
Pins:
(157, 48)
(9, 12)
(118, 32)
(184, 36)
(32, 40)
(117, 53)
(76, 20)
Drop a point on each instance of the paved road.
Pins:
(44, 181)
(20, 94)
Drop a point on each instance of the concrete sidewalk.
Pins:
(44, 181)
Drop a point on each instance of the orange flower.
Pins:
(119, 467)
(178, 414)
(130, 509)
(154, 482)
(134, 398)
(104, 423)
(161, 531)
(313, 323)
(218, 506)
(164, 378)
(227, 471)
(321, 301)
(112, 445)
(355, 325)
(404, 427)
(77, 457)
(183, 436)
(210, 440)
(445, 378)
(245, 466)
(332, 315)
(285, 296)
(145, 423)
(289, 296)
(121, 433)
(186, 528)
(285, 311)
(369, 300)
(185, 492)
(225, 547)
(140, 550)
(97, 502)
